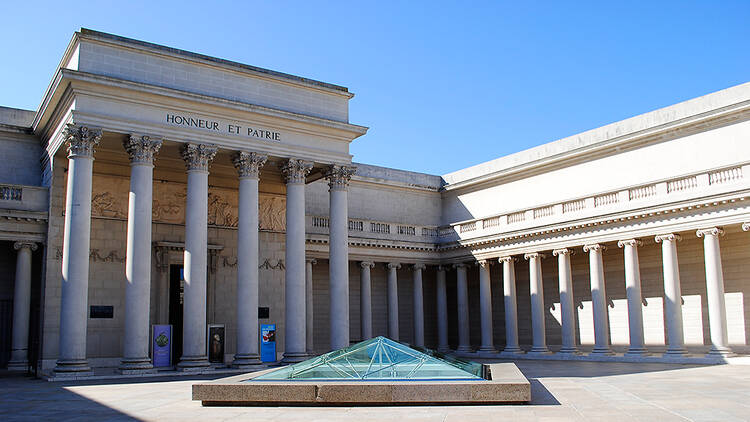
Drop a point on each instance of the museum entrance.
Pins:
(176, 293)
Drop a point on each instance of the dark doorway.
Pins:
(176, 291)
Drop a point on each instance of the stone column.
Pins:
(19, 355)
(248, 165)
(295, 171)
(309, 317)
(462, 298)
(442, 311)
(485, 307)
(633, 291)
(598, 300)
(365, 299)
(76, 240)
(197, 159)
(393, 300)
(418, 306)
(567, 307)
(136, 344)
(338, 247)
(536, 289)
(672, 294)
(511, 312)
(717, 309)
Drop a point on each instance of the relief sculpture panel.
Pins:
(109, 199)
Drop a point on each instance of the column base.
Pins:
(73, 367)
(444, 349)
(294, 357)
(18, 365)
(715, 352)
(569, 350)
(193, 363)
(637, 351)
(487, 350)
(675, 352)
(602, 351)
(246, 361)
(464, 349)
(135, 366)
(539, 350)
(513, 350)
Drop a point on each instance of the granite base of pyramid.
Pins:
(378, 371)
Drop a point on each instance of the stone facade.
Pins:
(676, 171)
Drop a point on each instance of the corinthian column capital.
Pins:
(295, 170)
(670, 237)
(81, 140)
(338, 176)
(713, 231)
(419, 267)
(393, 265)
(141, 148)
(198, 156)
(25, 244)
(248, 164)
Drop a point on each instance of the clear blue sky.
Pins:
(442, 85)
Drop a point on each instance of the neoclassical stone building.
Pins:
(159, 186)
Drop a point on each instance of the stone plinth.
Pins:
(507, 385)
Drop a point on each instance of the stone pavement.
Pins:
(560, 391)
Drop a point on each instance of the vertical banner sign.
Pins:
(268, 342)
(161, 341)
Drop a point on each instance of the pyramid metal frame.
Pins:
(378, 359)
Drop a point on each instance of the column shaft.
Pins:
(536, 289)
(598, 300)
(672, 295)
(136, 344)
(248, 165)
(365, 299)
(338, 180)
(309, 315)
(418, 306)
(19, 356)
(633, 292)
(197, 158)
(76, 242)
(462, 297)
(393, 300)
(717, 310)
(567, 306)
(442, 311)
(294, 276)
(485, 308)
(511, 312)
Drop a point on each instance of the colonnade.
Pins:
(673, 305)
(142, 149)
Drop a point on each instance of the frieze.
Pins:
(94, 255)
(231, 262)
(110, 200)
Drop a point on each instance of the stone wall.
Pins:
(20, 154)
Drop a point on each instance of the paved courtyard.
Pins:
(560, 391)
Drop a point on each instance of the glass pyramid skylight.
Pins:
(378, 359)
